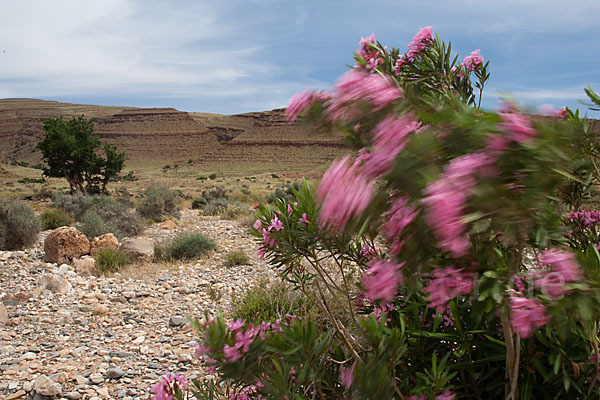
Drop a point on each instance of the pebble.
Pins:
(72, 395)
(135, 323)
(114, 373)
(96, 378)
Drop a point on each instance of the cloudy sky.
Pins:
(239, 56)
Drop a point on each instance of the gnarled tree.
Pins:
(70, 151)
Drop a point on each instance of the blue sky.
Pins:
(239, 56)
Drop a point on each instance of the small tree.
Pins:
(70, 151)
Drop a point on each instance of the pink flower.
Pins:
(199, 350)
(563, 270)
(243, 340)
(527, 315)
(420, 41)
(344, 194)
(298, 103)
(303, 220)
(517, 126)
(257, 224)
(448, 283)
(370, 54)
(389, 137)
(381, 280)
(231, 353)
(162, 391)
(236, 325)
(446, 199)
(472, 61)
(359, 86)
(417, 397)
(347, 375)
(275, 224)
(561, 113)
(446, 395)
(268, 241)
(400, 215)
(165, 387)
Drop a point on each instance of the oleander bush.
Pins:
(448, 259)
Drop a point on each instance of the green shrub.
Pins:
(92, 225)
(44, 193)
(100, 214)
(285, 194)
(159, 201)
(216, 206)
(32, 180)
(109, 260)
(129, 177)
(54, 218)
(199, 202)
(74, 205)
(269, 302)
(201, 178)
(186, 246)
(274, 176)
(235, 209)
(19, 227)
(236, 257)
(212, 176)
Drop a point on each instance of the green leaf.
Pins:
(568, 175)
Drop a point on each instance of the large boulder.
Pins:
(64, 244)
(106, 241)
(137, 249)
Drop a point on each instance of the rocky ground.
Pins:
(113, 337)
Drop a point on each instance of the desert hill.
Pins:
(162, 135)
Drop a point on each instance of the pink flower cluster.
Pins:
(400, 215)
(381, 280)
(420, 42)
(344, 193)
(243, 339)
(527, 315)
(446, 199)
(548, 110)
(359, 86)
(587, 218)
(563, 270)
(472, 61)
(301, 101)
(165, 388)
(517, 126)
(268, 241)
(371, 55)
(447, 283)
(389, 138)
